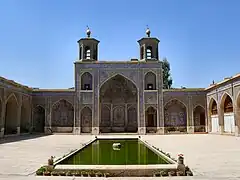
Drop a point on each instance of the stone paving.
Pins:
(209, 156)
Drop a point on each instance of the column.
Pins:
(141, 111)
(190, 119)
(126, 117)
(220, 119)
(160, 107)
(47, 128)
(2, 119)
(236, 111)
(111, 116)
(96, 103)
(77, 115)
(19, 112)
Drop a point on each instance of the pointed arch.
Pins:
(150, 81)
(39, 118)
(119, 92)
(117, 74)
(86, 120)
(213, 108)
(151, 119)
(199, 119)
(226, 103)
(86, 81)
(11, 116)
(175, 116)
(226, 106)
(10, 96)
(62, 116)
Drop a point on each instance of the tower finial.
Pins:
(88, 32)
(148, 32)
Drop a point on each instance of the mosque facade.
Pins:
(120, 97)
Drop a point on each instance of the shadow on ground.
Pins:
(10, 139)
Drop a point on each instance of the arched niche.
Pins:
(175, 116)
(38, 119)
(86, 81)
(150, 81)
(62, 116)
(151, 119)
(118, 93)
(213, 112)
(199, 119)
(11, 115)
(86, 120)
(227, 114)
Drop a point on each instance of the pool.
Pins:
(134, 157)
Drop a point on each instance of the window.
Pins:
(149, 52)
(149, 86)
(87, 53)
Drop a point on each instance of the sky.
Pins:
(38, 38)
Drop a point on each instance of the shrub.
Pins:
(106, 175)
(47, 173)
(172, 173)
(99, 174)
(189, 173)
(180, 173)
(62, 173)
(84, 173)
(77, 173)
(54, 173)
(163, 173)
(69, 173)
(157, 174)
(91, 173)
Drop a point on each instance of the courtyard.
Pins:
(209, 156)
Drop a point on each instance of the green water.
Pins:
(101, 152)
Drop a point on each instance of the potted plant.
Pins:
(84, 174)
(91, 174)
(54, 173)
(172, 173)
(47, 173)
(69, 173)
(77, 173)
(106, 175)
(180, 173)
(62, 173)
(163, 173)
(189, 173)
(50, 161)
(39, 172)
(99, 174)
(157, 174)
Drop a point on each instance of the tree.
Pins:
(167, 79)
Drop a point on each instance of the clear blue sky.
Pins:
(38, 38)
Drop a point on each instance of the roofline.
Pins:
(15, 83)
(222, 82)
(54, 90)
(184, 89)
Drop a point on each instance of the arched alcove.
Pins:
(199, 119)
(86, 120)
(151, 119)
(62, 116)
(175, 116)
(86, 81)
(38, 119)
(227, 113)
(118, 93)
(213, 114)
(11, 116)
(150, 81)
